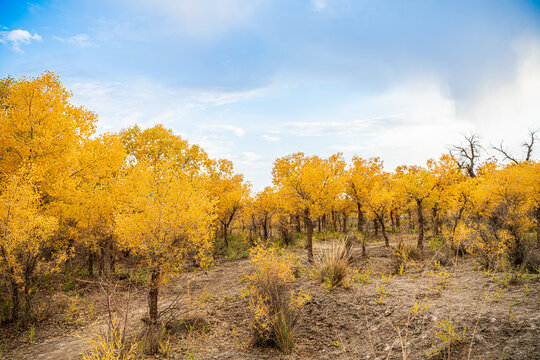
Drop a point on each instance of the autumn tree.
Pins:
(359, 182)
(89, 204)
(308, 184)
(263, 208)
(42, 129)
(41, 136)
(25, 233)
(158, 143)
(230, 193)
(164, 216)
(417, 184)
(380, 199)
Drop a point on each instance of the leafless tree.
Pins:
(467, 155)
(527, 145)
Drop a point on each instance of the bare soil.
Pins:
(343, 323)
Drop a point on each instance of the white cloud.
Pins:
(238, 131)
(248, 160)
(319, 5)
(143, 102)
(406, 124)
(80, 40)
(417, 119)
(18, 37)
(201, 17)
(270, 138)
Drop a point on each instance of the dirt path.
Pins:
(221, 280)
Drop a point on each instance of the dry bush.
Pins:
(332, 266)
(273, 302)
(111, 342)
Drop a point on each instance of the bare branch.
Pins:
(467, 155)
(505, 153)
(530, 145)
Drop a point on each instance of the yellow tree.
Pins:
(230, 193)
(165, 215)
(25, 232)
(505, 199)
(42, 133)
(417, 184)
(380, 200)
(359, 183)
(89, 204)
(309, 184)
(264, 207)
(39, 127)
(446, 175)
(157, 143)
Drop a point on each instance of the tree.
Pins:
(89, 204)
(230, 193)
(468, 154)
(528, 145)
(380, 200)
(417, 184)
(165, 215)
(158, 143)
(263, 208)
(360, 182)
(308, 184)
(40, 128)
(24, 235)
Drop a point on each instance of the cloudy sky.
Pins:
(252, 80)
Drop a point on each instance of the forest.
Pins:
(137, 244)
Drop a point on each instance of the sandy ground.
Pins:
(345, 323)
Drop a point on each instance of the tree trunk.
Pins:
(309, 237)
(420, 244)
(153, 298)
(226, 236)
(15, 304)
(537, 213)
(436, 220)
(112, 257)
(28, 287)
(398, 222)
(392, 221)
(101, 260)
(298, 225)
(344, 229)
(383, 230)
(376, 227)
(91, 263)
(360, 218)
(364, 239)
(265, 229)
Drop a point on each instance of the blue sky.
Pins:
(252, 80)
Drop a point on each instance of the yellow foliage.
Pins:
(164, 216)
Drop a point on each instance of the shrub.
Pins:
(273, 302)
(448, 336)
(332, 266)
(111, 344)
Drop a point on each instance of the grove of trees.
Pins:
(68, 194)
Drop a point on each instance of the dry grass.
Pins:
(332, 265)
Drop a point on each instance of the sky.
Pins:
(253, 80)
